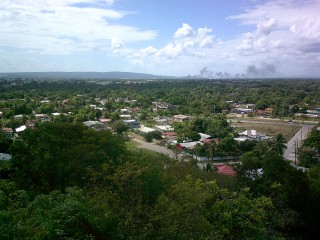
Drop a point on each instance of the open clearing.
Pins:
(272, 129)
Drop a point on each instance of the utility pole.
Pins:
(295, 152)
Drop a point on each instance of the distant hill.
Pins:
(81, 75)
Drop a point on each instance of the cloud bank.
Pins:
(285, 34)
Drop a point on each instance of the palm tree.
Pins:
(211, 148)
(279, 144)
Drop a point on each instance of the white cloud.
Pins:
(187, 42)
(148, 51)
(116, 43)
(184, 31)
(265, 27)
(170, 51)
(45, 24)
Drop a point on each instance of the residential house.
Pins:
(20, 130)
(132, 123)
(225, 170)
(95, 125)
(8, 132)
(242, 110)
(105, 120)
(188, 145)
(162, 106)
(251, 134)
(31, 124)
(5, 157)
(42, 117)
(269, 110)
(124, 111)
(181, 118)
(162, 120)
(144, 129)
(18, 117)
(125, 116)
(204, 137)
(164, 128)
(170, 137)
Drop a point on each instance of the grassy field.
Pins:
(272, 129)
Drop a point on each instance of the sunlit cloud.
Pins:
(285, 33)
(64, 25)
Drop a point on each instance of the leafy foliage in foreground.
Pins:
(70, 182)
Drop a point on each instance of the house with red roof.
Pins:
(225, 170)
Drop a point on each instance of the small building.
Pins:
(144, 129)
(105, 120)
(242, 110)
(125, 116)
(188, 145)
(20, 129)
(8, 132)
(132, 123)
(181, 118)
(18, 117)
(137, 109)
(204, 137)
(31, 124)
(124, 111)
(249, 133)
(5, 157)
(95, 125)
(208, 140)
(225, 170)
(269, 110)
(169, 135)
(55, 114)
(42, 117)
(162, 106)
(164, 128)
(162, 119)
(260, 112)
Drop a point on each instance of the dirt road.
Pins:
(155, 148)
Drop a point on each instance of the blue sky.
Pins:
(213, 38)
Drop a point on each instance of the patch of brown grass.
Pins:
(272, 129)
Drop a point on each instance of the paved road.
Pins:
(296, 141)
(155, 148)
